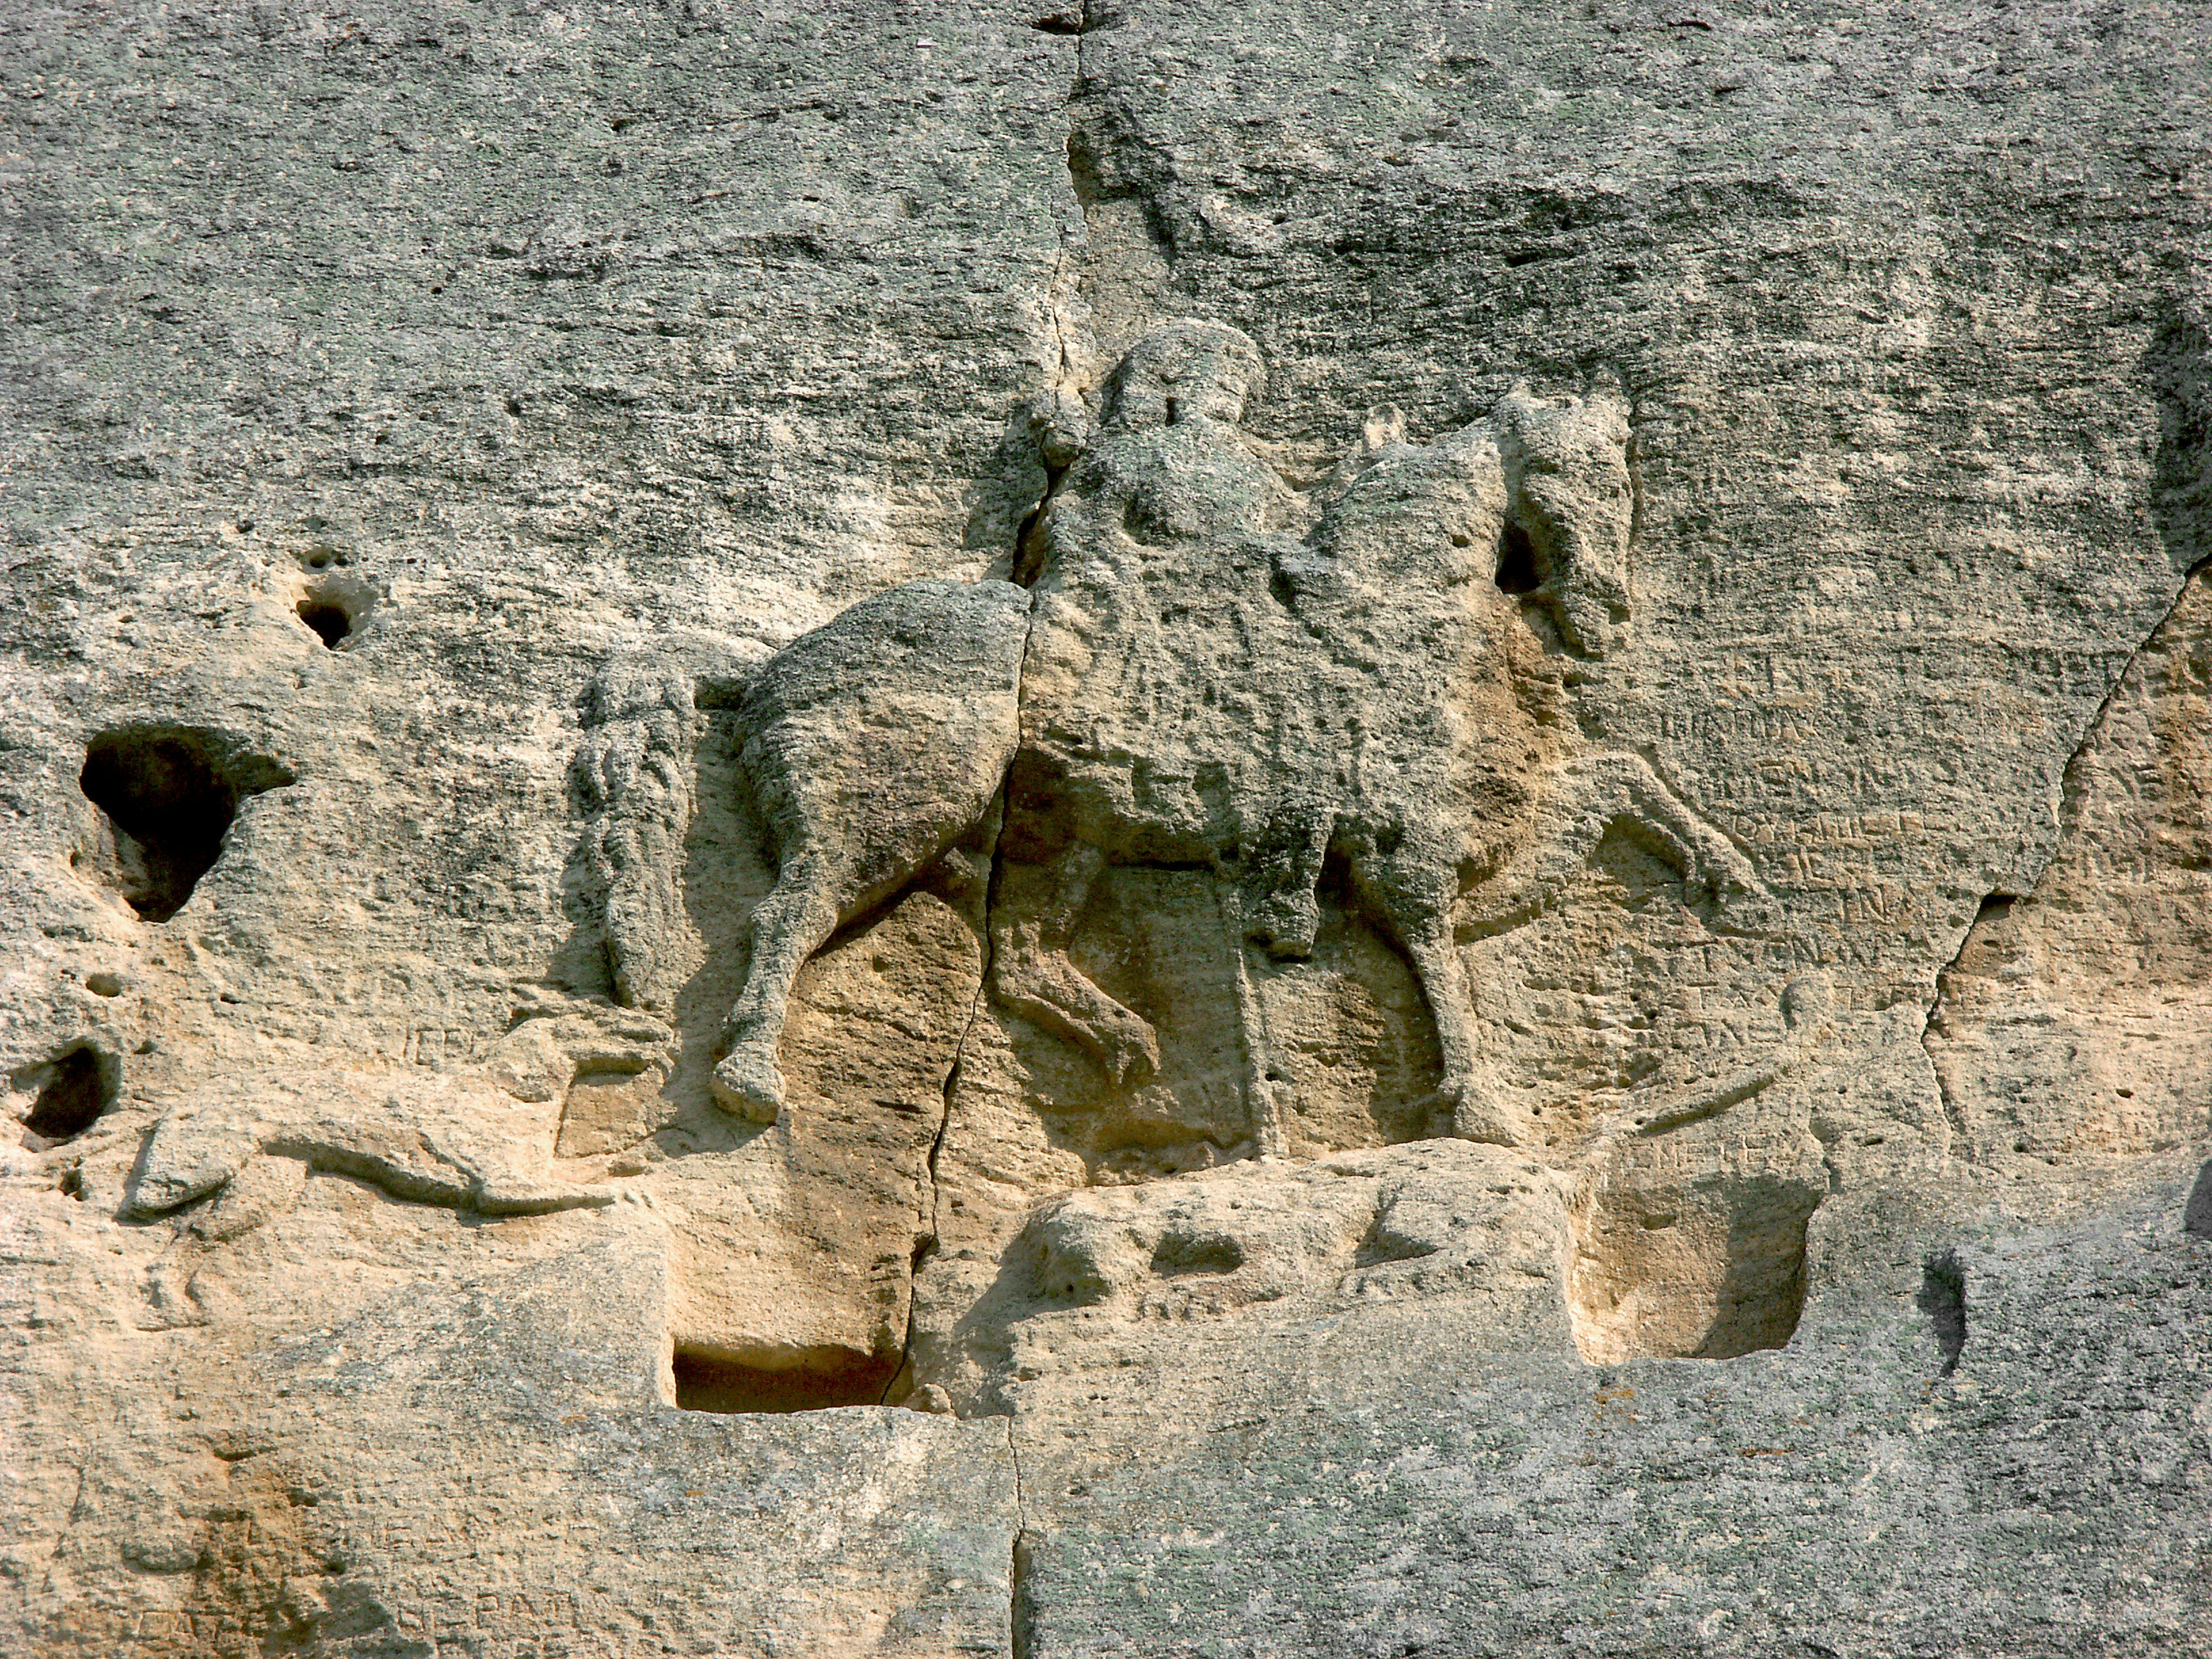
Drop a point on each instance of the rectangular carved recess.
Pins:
(706, 1383)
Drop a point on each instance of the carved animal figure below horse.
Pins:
(1187, 681)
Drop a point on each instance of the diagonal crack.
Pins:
(1995, 903)
(1998, 901)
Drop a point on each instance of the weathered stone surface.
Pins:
(2067, 1032)
(1133, 829)
(487, 1461)
(1402, 1476)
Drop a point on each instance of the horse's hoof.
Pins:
(1133, 1056)
(1479, 1115)
(748, 1085)
(1726, 873)
(1487, 1122)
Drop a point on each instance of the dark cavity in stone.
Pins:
(705, 1384)
(171, 792)
(330, 622)
(1517, 562)
(73, 1098)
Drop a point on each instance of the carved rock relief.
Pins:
(1189, 686)
(1228, 788)
(1192, 845)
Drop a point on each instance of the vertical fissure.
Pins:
(927, 1246)
(993, 867)
(1020, 1609)
(1633, 459)
(1055, 303)
(1021, 1612)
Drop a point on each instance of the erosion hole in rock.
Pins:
(1703, 1272)
(170, 792)
(1943, 1298)
(1517, 562)
(707, 1383)
(330, 622)
(331, 599)
(77, 1090)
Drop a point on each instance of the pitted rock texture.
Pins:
(1124, 828)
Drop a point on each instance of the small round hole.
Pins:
(330, 622)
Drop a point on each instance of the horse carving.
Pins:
(1197, 666)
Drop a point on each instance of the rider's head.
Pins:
(1183, 371)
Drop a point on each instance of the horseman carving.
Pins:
(1195, 665)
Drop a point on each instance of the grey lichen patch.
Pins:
(1943, 1298)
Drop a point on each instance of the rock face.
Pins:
(1145, 829)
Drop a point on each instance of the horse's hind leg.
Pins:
(1478, 1111)
(1032, 973)
(1421, 918)
(790, 925)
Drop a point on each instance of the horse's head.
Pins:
(1569, 494)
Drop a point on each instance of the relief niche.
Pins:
(1242, 826)
(1186, 845)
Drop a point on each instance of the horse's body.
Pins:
(1187, 681)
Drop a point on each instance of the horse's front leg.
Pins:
(1034, 920)
(1281, 903)
(1267, 1083)
(790, 925)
